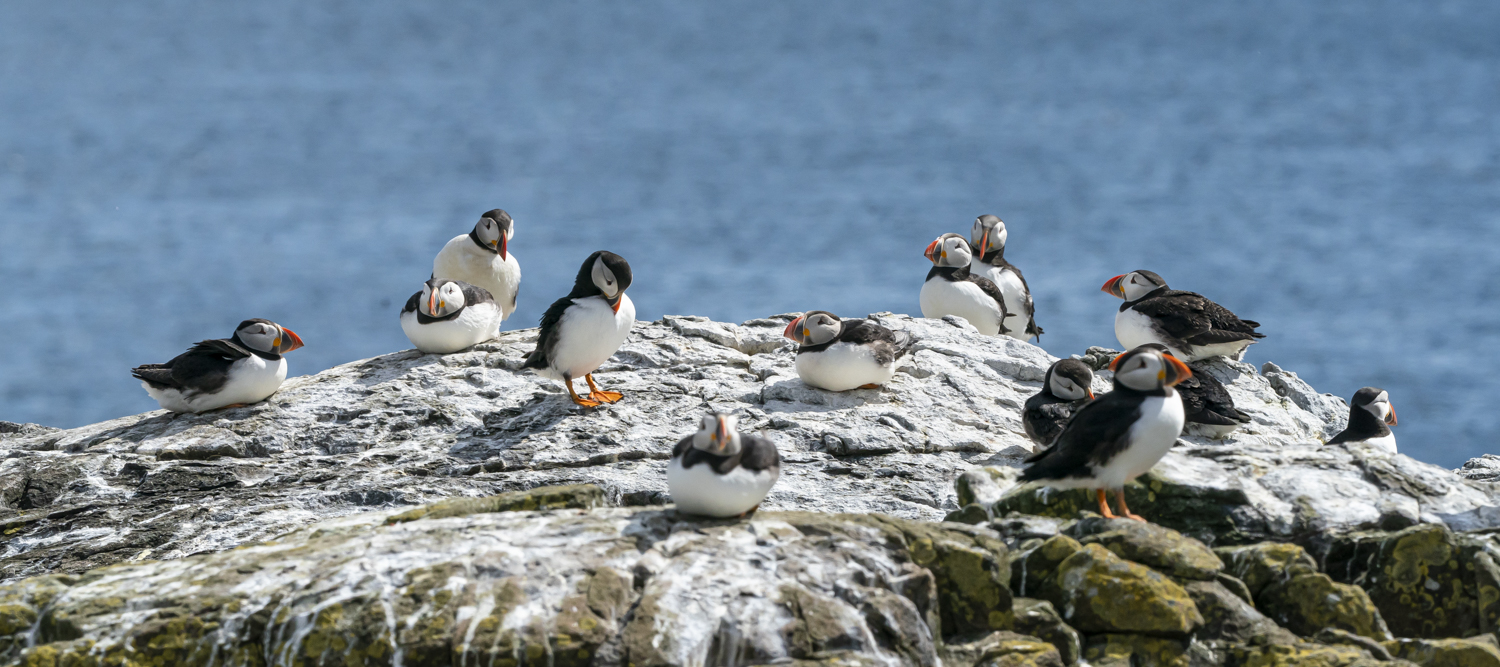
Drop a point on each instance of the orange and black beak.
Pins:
(289, 341)
(614, 304)
(1391, 418)
(984, 244)
(1175, 371)
(722, 433)
(503, 244)
(1113, 287)
(930, 252)
(791, 331)
(432, 304)
(1088, 392)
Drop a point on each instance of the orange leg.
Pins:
(1124, 510)
(1104, 505)
(748, 512)
(601, 396)
(579, 399)
(870, 386)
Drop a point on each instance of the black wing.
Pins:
(993, 291)
(475, 295)
(757, 453)
(888, 345)
(547, 338)
(1030, 306)
(1043, 418)
(204, 367)
(1206, 401)
(1195, 319)
(1097, 432)
(413, 303)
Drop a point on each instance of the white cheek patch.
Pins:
(604, 279)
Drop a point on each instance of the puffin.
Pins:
(719, 472)
(224, 373)
(1193, 327)
(448, 316)
(839, 355)
(482, 258)
(583, 330)
(1065, 389)
(1207, 402)
(987, 241)
(1371, 417)
(1120, 435)
(952, 290)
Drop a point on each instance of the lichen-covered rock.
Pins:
(1288, 588)
(574, 496)
(1426, 580)
(1003, 649)
(1446, 652)
(1099, 592)
(1120, 650)
(1300, 655)
(1038, 618)
(1037, 565)
(1229, 618)
(1161, 549)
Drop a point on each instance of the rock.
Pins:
(1426, 580)
(1445, 652)
(1288, 588)
(1301, 655)
(1003, 649)
(1038, 564)
(1119, 650)
(1228, 618)
(1099, 592)
(1038, 618)
(1158, 548)
(576, 496)
(1335, 636)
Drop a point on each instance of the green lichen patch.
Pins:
(1260, 565)
(1445, 652)
(1307, 603)
(1038, 618)
(821, 624)
(1037, 565)
(1124, 650)
(1424, 579)
(1298, 655)
(572, 496)
(1099, 592)
(1161, 549)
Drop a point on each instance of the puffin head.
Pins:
(988, 235)
(949, 250)
(716, 435)
(493, 232)
(1134, 285)
(266, 336)
(1069, 379)
(1377, 402)
(814, 328)
(1148, 369)
(610, 274)
(441, 298)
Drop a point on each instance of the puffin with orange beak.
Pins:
(987, 241)
(951, 289)
(448, 316)
(1371, 417)
(583, 330)
(720, 472)
(482, 258)
(1206, 402)
(839, 355)
(1192, 326)
(224, 373)
(1065, 389)
(1120, 435)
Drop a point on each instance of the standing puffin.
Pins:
(448, 316)
(225, 373)
(1065, 389)
(482, 258)
(718, 472)
(1190, 325)
(1116, 437)
(839, 355)
(1206, 402)
(583, 330)
(987, 241)
(951, 290)
(1371, 417)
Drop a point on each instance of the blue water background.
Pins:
(1331, 169)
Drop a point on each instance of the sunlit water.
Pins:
(1329, 169)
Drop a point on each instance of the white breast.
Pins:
(1385, 444)
(1134, 329)
(843, 366)
(699, 490)
(1150, 438)
(1015, 295)
(945, 297)
(251, 380)
(589, 333)
(463, 261)
(474, 325)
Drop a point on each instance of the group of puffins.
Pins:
(1084, 441)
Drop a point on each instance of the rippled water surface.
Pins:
(1329, 169)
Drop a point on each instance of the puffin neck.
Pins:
(424, 318)
(1119, 387)
(268, 356)
(949, 273)
(1362, 422)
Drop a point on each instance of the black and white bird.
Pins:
(839, 355)
(952, 290)
(232, 372)
(720, 472)
(583, 330)
(1206, 402)
(448, 316)
(1065, 389)
(1371, 417)
(1190, 325)
(1120, 435)
(987, 241)
(482, 258)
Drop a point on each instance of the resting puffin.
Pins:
(1116, 437)
(951, 290)
(839, 355)
(1065, 389)
(448, 316)
(719, 472)
(482, 258)
(1193, 327)
(583, 330)
(225, 373)
(987, 241)
(1207, 402)
(1371, 417)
